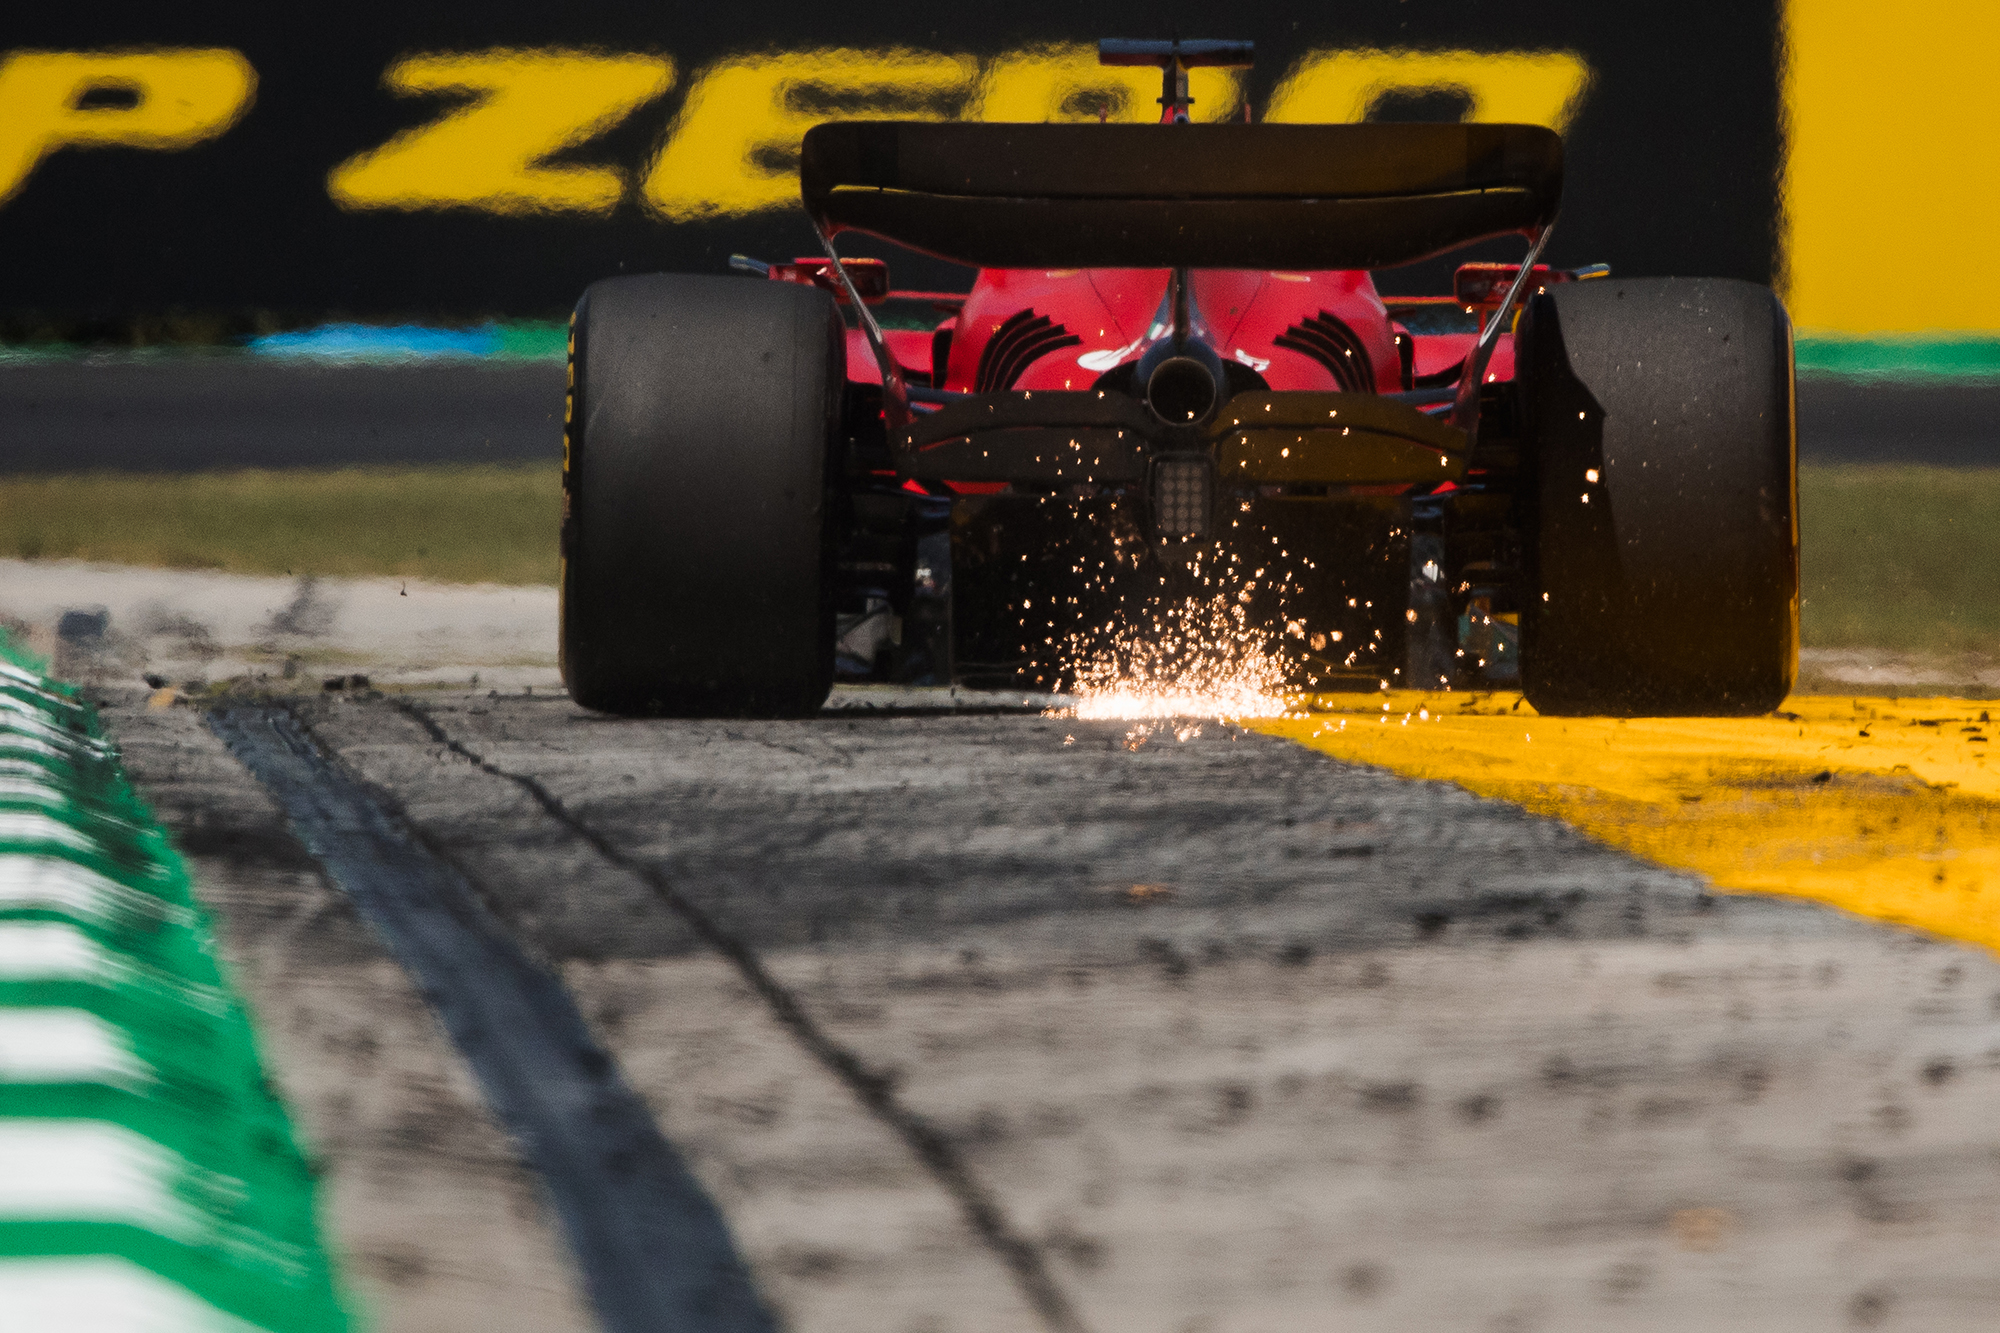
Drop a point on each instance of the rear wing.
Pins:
(1198, 196)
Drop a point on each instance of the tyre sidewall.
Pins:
(1669, 583)
(700, 425)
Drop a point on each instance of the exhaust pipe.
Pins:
(1180, 375)
(1181, 389)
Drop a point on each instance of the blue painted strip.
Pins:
(512, 340)
(357, 342)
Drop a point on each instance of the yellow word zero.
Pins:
(491, 153)
(1065, 83)
(735, 146)
(161, 99)
(1890, 125)
(1511, 87)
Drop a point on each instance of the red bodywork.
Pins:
(1063, 329)
(1288, 417)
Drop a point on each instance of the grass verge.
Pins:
(1897, 557)
(1900, 557)
(458, 524)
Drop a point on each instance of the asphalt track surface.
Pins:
(180, 414)
(622, 1192)
(1003, 1021)
(187, 414)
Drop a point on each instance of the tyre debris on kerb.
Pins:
(146, 1169)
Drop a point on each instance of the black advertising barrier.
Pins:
(457, 160)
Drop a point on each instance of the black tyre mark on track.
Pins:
(875, 1091)
(654, 1250)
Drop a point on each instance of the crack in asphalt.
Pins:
(875, 1091)
(654, 1249)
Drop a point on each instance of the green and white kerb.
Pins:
(149, 1179)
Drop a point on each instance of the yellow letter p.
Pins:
(166, 99)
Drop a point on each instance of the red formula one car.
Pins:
(1174, 379)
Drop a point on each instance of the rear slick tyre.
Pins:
(1660, 481)
(696, 448)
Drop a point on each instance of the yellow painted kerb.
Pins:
(1886, 808)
